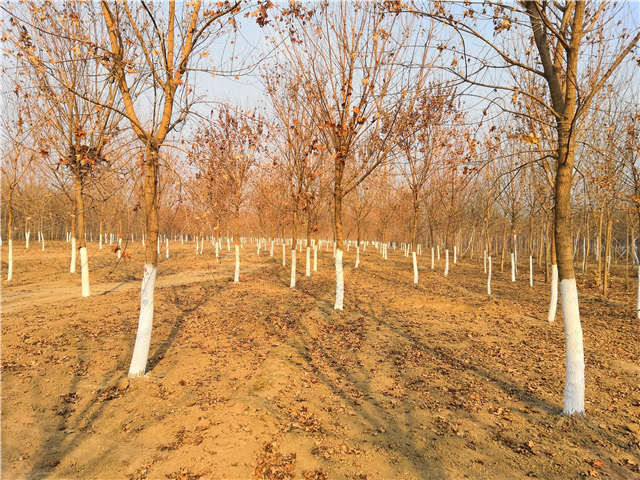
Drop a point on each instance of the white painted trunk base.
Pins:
(28, 236)
(433, 263)
(513, 267)
(637, 302)
(339, 305)
(72, 266)
(489, 277)
(446, 262)
(145, 323)
(84, 271)
(236, 275)
(530, 271)
(357, 256)
(553, 304)
(307, 264)
(292, 283)
(315, 258)
(415, 268)
(455, 255)
(574, 379)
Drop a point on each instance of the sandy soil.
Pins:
(254, 380)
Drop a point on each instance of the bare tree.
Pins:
(426, 137)
(226, 149)
(552, 41)
(301, 156)
(161, 41)
(350, 59)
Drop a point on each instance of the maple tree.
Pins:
(427, 138)
(299, 154)
(349, 61)
(559, 36)
(226, 150)
(164, 43)
(53, 51)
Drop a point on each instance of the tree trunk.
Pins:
(82, 245)
(626, 260)
(553, 302)
(599, 243)
(547, 252)
(292, 283)
(145, 322)
(504, 246)
(72, 265)
(100, 237)
(10, 241)
(489, 277)
(607, 254)
(27, 233)
(337, 218)
(414, 237)
(446, 262)
(307, 265)
(236, 245)
(574, 379)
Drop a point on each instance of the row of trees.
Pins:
(370, 105)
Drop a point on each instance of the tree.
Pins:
(557, 38)
(55, 53)
(17, 159)
(161, 41)
(427, 137)
(350, 61)
(301, 156)
(226, 150)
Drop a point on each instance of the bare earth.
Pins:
(254, 380)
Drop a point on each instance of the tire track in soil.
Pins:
(16, 301)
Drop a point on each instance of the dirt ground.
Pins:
(254, 380)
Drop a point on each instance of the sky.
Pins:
(251, 46)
